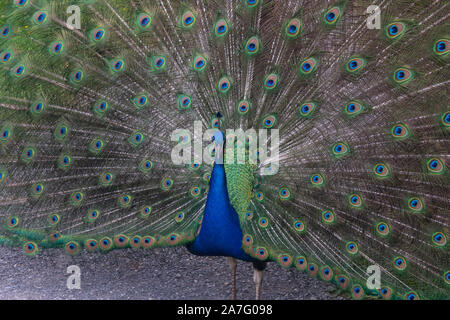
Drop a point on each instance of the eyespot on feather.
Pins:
(293, 28)
(253, 46)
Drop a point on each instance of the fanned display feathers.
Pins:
(87, 116)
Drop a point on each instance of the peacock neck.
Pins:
(220, 233)
(218, 192)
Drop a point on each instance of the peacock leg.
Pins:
(257, 278)
(233, 264)
(258, 269)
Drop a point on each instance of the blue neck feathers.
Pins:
(220, 233)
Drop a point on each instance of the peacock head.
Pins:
(219, 141)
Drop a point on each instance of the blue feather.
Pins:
(220, 233)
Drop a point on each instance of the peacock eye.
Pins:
(19, 70)
(416, 205)
(223, 85)
(271, 81)
(188, 19)
(6, 56)
(5, 31)
(332, 16)
(393, 30)
(403, 75)
(221, 28)
(40, 17)
(441, 47)
(293, 28)
(117, 65)
(252, 46)
(21, 3)
(356, 64)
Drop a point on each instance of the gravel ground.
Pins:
(171, 273)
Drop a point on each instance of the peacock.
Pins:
(311, 134)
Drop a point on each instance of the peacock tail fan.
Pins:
(91, 115)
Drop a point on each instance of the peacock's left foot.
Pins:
(258, 269)
(233, 264)
(257, 278)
